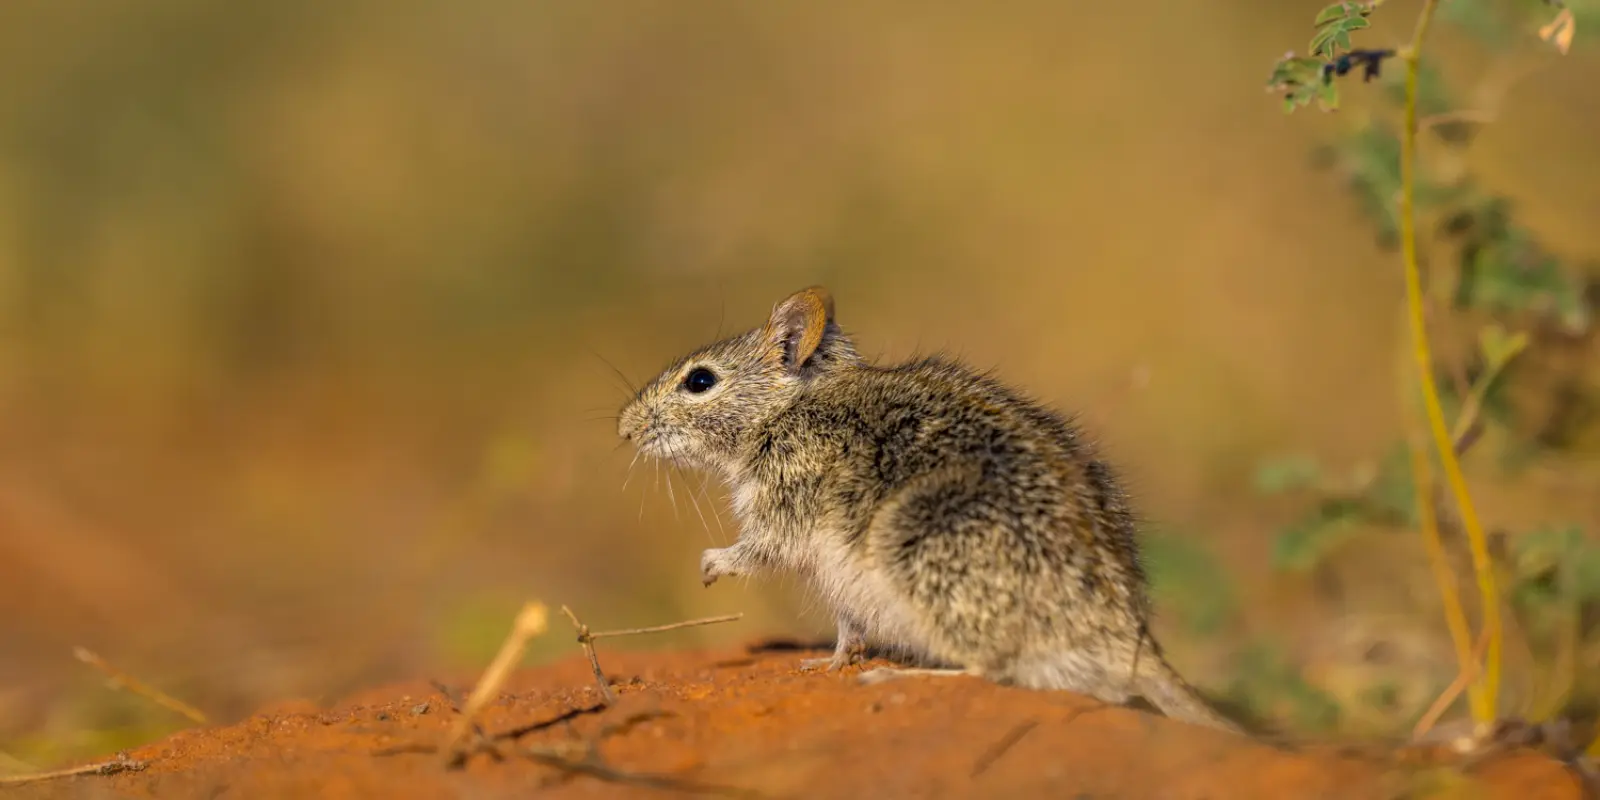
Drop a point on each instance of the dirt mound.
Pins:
(749, 723)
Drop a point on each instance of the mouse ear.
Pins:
(798, 324)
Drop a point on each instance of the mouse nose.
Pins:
(632, 423)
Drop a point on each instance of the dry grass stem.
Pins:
(587, 637)
(671, 627)
(1465, 677)
(122, 680)
(530, 622)
(102, 768)
(587, 640)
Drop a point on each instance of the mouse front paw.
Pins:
(718, 563)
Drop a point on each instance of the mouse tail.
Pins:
(1161, 686)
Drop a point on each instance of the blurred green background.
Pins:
(308, 309)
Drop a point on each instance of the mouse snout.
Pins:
(632, 423)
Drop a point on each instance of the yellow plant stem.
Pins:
(1484, 699)
(1422, 478)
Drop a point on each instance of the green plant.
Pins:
(1504, 283)
(1267, 686)
(1186, 578)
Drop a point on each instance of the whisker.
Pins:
(672, 499)
(627, 384)
(705, 481)
(629, 476)
(704, 523)
(655, 466)
(693, 501)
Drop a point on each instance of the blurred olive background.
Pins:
(310, 309)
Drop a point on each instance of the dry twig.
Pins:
(102, 768)
(451, 696)
(122, 680)
(1002, 746)
(587, 637)
(1463, 679)
(530, 622)
(668, 627)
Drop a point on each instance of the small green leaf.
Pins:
(1328, 96)
(1331, 13)
(1356, 24)
(1301, 545)
(1298, 78)
(1320, 41)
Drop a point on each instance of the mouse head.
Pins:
(698, 410)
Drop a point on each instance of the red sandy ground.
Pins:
(752, 722)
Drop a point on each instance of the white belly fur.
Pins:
(853, 588)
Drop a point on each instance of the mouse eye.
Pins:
(699, 380)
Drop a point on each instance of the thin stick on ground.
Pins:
(670, 627)
(1002, 746)
(587, 637)
(530, 622)
(102, 768)
(1483, 696)
(123, 680)
(587, 640)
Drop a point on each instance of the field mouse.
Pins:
(935, 510)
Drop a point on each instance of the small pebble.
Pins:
(419, 709)
(383, 716)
